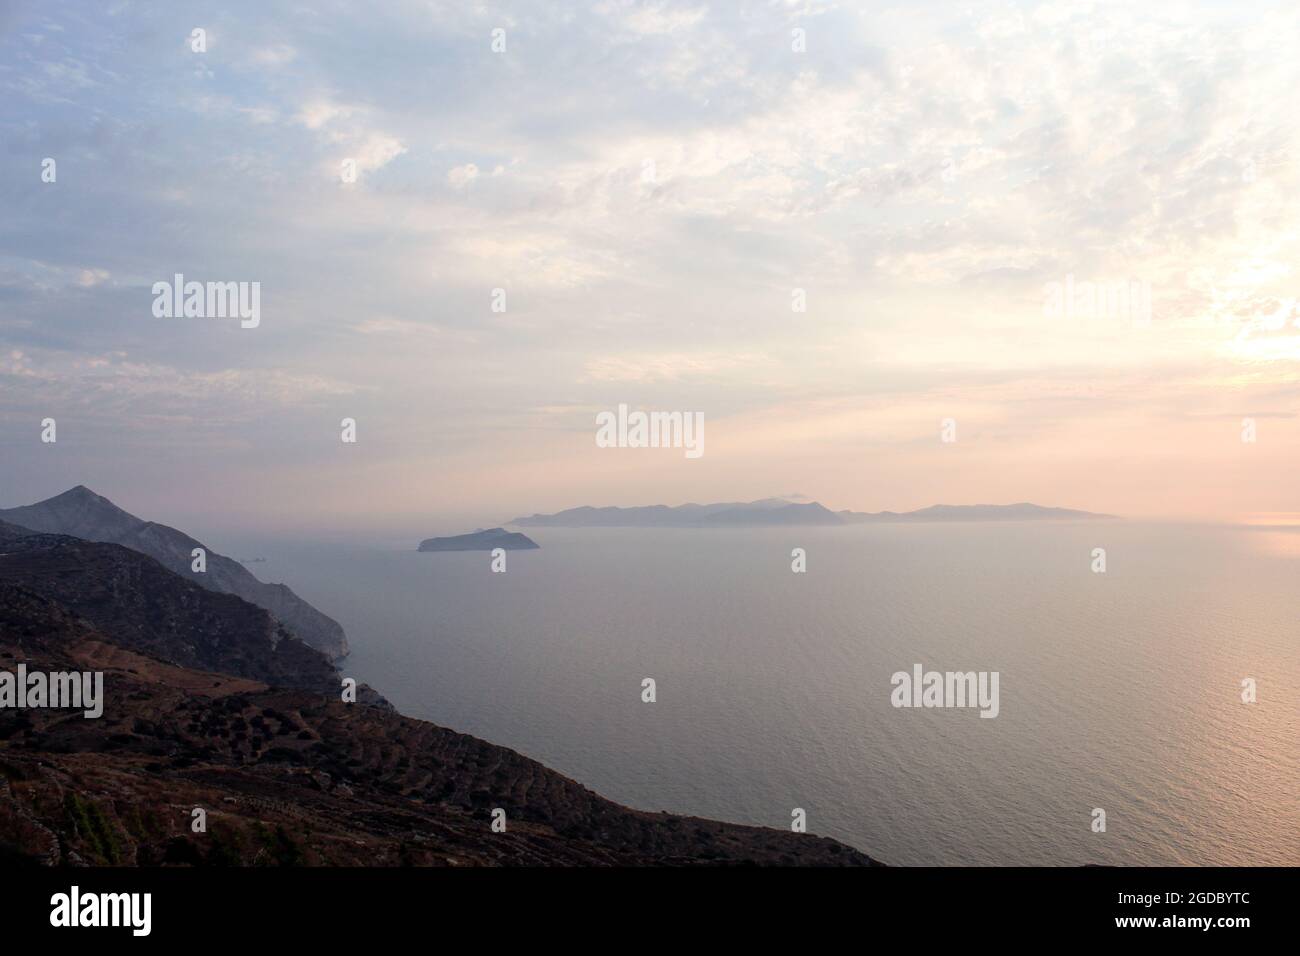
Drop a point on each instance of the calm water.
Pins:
(1118, 690)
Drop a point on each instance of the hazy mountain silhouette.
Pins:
(1021, 511)
(83, 514)
(147, 609)
(778, 511)
(790, 514)
(208, 702)
(764, 511)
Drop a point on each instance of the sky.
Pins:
(655, 189)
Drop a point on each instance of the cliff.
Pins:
(83, 514)
(208, 705)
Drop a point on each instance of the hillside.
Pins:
(288, 775)
(83, 514)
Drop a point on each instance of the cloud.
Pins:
(374, 150)
(92, 277)
(461, 176)
(113, 387)
(318, 113)
(649, 182)
(275, 56)
(642, 368)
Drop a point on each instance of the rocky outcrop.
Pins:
(83, 514)
(286, 775)
(144, 608)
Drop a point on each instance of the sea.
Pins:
(1162, 691)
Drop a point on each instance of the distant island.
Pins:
(1021, 511)
(784, 512)
(481, 540)
(209, 700)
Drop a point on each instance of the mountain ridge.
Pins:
(147, 609)
(779, 511)
(81, 513)
(201, 710)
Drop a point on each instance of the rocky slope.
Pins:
(286, 775)
(83, 514)
(149, 610)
